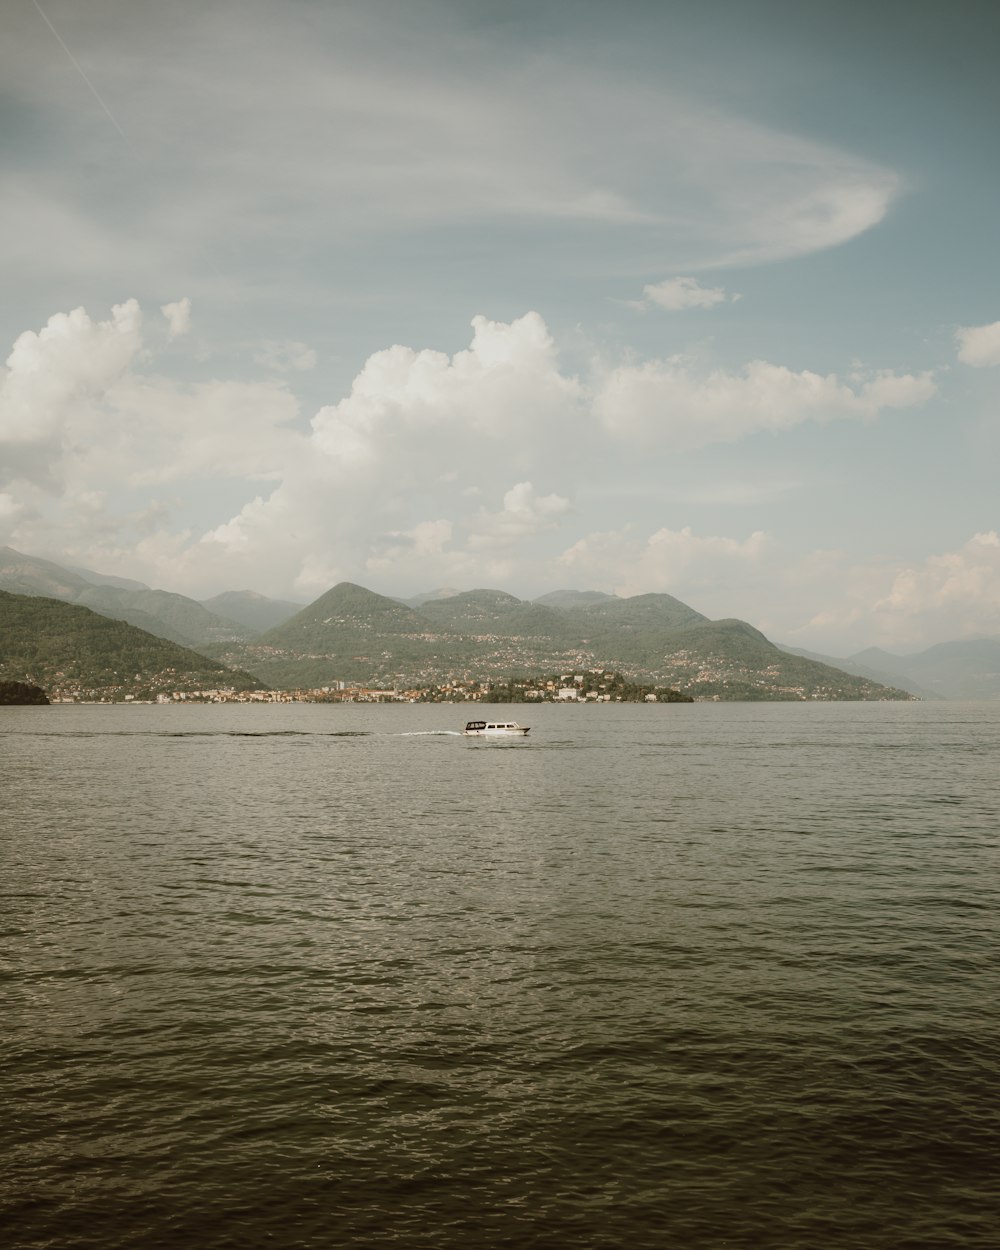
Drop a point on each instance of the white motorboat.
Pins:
(495, 729)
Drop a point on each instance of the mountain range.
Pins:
(353, 634)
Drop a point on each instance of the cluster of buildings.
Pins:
(590, 686)
(338, 693)
(597, 686)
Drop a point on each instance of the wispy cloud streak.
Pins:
(79, 69)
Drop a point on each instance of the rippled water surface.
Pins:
(675, 976)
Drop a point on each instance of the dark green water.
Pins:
(678, 976)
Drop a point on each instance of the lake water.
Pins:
(686, 976)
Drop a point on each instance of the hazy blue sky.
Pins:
(693, 297)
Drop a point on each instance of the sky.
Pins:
(692, 297)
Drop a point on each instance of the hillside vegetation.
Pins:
(353, 634)
(71, 651)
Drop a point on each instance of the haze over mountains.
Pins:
(353, 634)
(175, 617)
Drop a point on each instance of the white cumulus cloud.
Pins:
(979, 346)
(676, 294)
(635, 565)
(673, 403)
(506, 383)
(52, 374)
(902, 606)
(962, 585)
(178, 315)
(524, 513)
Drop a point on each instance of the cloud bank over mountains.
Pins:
(463, 469)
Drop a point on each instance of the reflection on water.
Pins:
(691, 976)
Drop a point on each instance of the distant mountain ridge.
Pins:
(106, 579)
(963, 669)
(253, 611)
(886, 675)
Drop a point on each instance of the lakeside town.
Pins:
(587, 686)
(597, 686)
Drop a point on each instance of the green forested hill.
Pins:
(639, 613)
(729, 659)
(70, 650)
(494, 612)
(572, 599)
(348, 612)
(350, 634)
